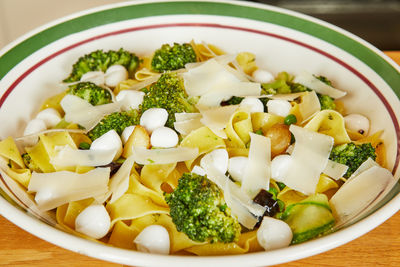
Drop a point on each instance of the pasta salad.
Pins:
(192, 150)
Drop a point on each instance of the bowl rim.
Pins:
(339, 37)
(92, 249)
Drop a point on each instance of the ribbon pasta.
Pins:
(238, 129)
(331, 123)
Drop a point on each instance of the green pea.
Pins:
(84, 145)
(290, 119)
(260, 132)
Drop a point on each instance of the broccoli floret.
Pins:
(101, 61)
(198, 209)
(29, 163)
(117, 121)
(324, 80)
(283, 84)
(92, 93)
(234, 100)
(172, 57)
(276, 87)
(352, 155)
(326, 102)
(168, 93)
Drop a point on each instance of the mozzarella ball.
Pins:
(153, 239)
(274, 234)
(153, 118)
(253, 104)
(279, 166)
(108, 141)
(279, 107)
(115, 74)
(50, 116)
(219, 158)
(357, 123)
(262, 76)
(164, 137)
(126, 133)
(93, 221)
(96, 77)
(236, 167)
(130, 99)
(35, 126)
(199, 170)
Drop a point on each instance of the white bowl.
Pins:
(32, 66)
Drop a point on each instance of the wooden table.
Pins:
(380, 247)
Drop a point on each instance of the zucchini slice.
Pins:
(309, 218)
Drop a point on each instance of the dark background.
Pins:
(376, 21)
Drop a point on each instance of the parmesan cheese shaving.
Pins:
(242, 214)
(258, 170)
(215, 82)
(208, 76)
(309, 105)
(163, 156)
(221, 181)
(351, 219)
(187, 122)
(15, 191)
(310, 81)
(369, 163)
(225, 59)
(68, 156)
(32, 139)
(309, 158)
(214, 97)
(216, 119)
(356, 195)
(186, 116)
(57, 188)
(119, 183)
(335, 170)
(187, 126)
(287, 97)
(83, 113)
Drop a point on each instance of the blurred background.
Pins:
(377, 21)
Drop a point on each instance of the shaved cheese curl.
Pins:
(57, 188)
(163, 155)
(308, 160)
(83, 113)
(242, 214)
(17, 193)
(216, 119)
(68, 156)
(335, 170)
(356, 196)
(183, 116)
(309, 105)
(258, 170)
(215, 81)
(237, 193)
(119, 182)
(312, 82)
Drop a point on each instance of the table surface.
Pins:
(380, 247)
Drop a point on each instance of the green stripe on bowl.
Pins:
(34, 43)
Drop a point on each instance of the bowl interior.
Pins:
(33, 67)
